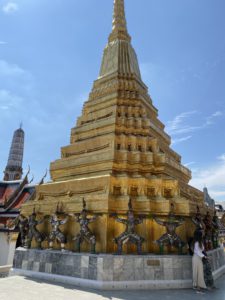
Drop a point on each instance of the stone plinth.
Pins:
(5, 270)
(105, 271)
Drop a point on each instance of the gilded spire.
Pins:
(119, 56)
(119, 29)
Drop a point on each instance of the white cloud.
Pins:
(178, 126)
(222, 157)
(14, 78)
(210, 119)
(16, 85)
(180, 140)
(177, 123)
(217, 193)
(2, 43)
(213, 177)
(10, 8)
(189, 164)
(8, 100)
(217, 114)
(7, 69)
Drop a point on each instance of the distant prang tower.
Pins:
(14, 170)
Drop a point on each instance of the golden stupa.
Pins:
(118, 149)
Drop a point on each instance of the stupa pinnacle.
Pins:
(119, 30)
(119, 56)
(119, 150)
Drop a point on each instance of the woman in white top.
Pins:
(197, 264)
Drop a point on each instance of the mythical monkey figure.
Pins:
(85, 233)
(170, 238)
(215, 230)
(208, 231)
(22, 223)
(198, 221)
(33, 232)
(129, 235)
(55, 233)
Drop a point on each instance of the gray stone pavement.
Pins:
(21, 288)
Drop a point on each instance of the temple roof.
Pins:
(13, 194)
(15, 190)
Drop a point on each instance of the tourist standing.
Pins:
(197, 264)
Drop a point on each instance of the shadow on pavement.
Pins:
(184, 294)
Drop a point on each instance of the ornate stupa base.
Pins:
(109, 194)
(109, 272)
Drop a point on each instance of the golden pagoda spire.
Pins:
(119, 57)
(119, 29)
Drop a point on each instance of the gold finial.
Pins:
(119, 20)
(119, 30)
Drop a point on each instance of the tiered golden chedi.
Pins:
(119, 149)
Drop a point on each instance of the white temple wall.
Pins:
(7, 248)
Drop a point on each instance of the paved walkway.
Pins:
(21, 288)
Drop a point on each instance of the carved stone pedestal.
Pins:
(108, 272)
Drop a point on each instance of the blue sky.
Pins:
(50, 53)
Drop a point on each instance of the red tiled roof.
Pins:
(21, 200)
(2, 192)
(6, 192)
(12, 196)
